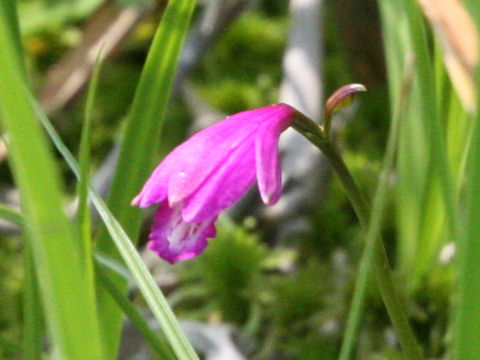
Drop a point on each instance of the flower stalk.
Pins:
(316, 135)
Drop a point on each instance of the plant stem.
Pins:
(395, 308)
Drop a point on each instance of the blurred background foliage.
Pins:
(289, 298)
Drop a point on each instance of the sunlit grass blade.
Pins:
(83, 213)
(149, 289)
(152, 294)
(32, 325)
(70, 316)
(140, 140)
(374, 227)
(156, 342)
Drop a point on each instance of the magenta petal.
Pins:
(204, 152)
(155, 189)
(267, 159)
(226, 185)
(173, 239)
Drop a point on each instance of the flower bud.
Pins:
(342, 98)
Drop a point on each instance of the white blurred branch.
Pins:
(304, 169)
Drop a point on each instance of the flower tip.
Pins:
(269, 198)
(342, 98)
(185, 256)
(172, 257)
(135, 201)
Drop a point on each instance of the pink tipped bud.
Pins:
(342, 98)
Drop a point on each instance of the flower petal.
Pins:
(173, 239)
(155, 189)
(224, 187)
(206, 151)
(267, 159)
(191, 163)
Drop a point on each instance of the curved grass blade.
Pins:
(140, 140)
(374, 227)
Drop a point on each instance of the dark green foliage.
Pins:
(228, 272)
(232, 81)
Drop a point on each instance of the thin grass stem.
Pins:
(381, 266)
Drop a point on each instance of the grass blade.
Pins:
(83, 214)
(141, 138)
(374, 227)
(70, 316)
(84, 163)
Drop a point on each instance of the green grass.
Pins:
(74, 285)
(140, 141)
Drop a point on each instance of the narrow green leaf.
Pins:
(84, 162)
(70, 316)
(140, 140)
(374, 227)
(83, 214)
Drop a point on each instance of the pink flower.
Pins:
(208, 173)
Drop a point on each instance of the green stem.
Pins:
(395, 308)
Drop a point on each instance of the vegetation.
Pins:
(297, 284)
